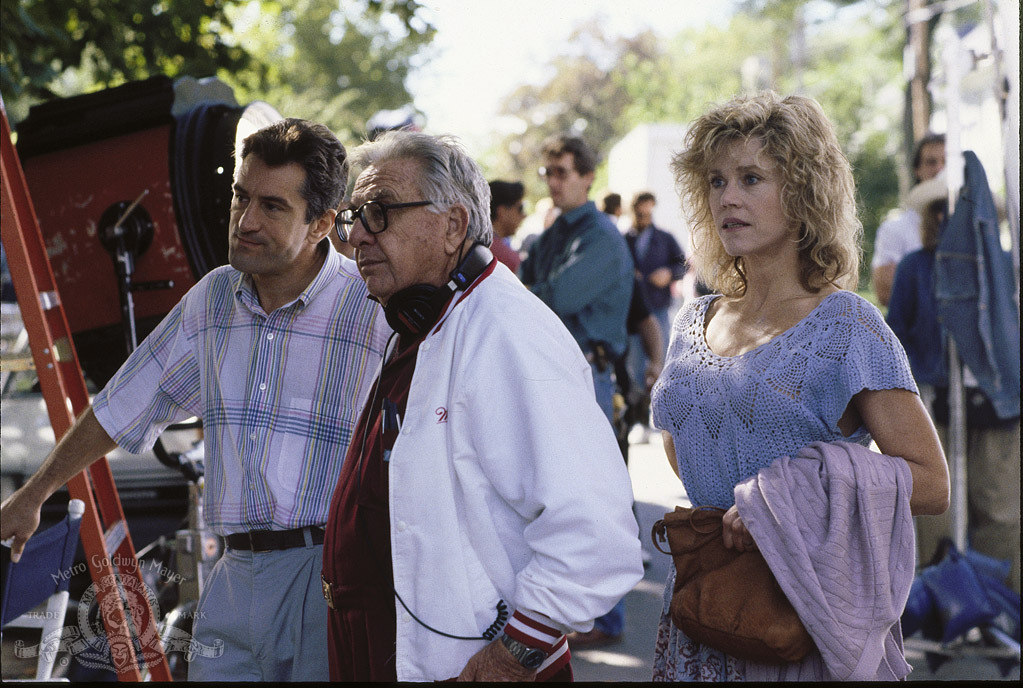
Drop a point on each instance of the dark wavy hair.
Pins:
(312, 146)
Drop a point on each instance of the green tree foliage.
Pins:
(337, 63)
(850, 61)
(585, 97)
(110, 42)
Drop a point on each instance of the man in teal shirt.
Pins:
(581, 267)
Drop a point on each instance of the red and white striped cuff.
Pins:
(556, 662)
(527, 629)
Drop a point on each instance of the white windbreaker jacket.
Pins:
(506, 482)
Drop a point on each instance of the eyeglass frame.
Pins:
(558, 172)
(344, 227)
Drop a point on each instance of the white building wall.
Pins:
(639, 162)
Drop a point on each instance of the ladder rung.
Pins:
(17, 363)
(62, 350)
(114, 536)
(48, 300)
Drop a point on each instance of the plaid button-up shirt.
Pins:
(279, 393)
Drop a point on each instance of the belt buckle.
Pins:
(327, 594)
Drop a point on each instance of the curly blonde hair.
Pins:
(817, 190)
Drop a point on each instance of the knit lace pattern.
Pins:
(730, 416)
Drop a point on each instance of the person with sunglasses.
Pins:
(580, 266)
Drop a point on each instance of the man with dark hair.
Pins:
(899, 234)
(581, 268)
(659, 263)
(274, 352)
(611, 205)
(506, 212)
(659, 259)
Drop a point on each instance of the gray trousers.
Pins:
(268, 611)
(992, 486)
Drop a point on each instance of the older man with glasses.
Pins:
(483, 510)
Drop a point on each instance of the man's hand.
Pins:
(85, 442)
(653, 371)
(734, 532)
(883, 277)
(661, 277)
(495, 663)
(19, 518)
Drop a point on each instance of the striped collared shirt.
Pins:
(279, 393)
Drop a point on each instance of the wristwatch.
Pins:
(529, 657)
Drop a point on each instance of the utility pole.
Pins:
(919, 68)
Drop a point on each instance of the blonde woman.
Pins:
(784, 355)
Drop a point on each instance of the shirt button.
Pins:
(270, 335)
(262, 387)
(425, 346)
(402, 526)
(405, 618)
(252, 436)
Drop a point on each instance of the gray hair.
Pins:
(449, 175)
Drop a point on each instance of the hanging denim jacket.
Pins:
(974, 286)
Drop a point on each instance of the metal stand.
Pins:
(127, 616)
(958, 62)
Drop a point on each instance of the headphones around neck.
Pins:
(414, 310)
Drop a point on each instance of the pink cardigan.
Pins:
(835, 527)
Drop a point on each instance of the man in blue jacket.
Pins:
(660, 262)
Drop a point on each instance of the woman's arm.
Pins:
(669, 449)
(899, 424)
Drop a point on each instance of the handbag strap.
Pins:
(659, 531)
(659, 534)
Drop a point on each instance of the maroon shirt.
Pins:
(505, 253)
(361, 629)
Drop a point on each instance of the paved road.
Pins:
(657, 491)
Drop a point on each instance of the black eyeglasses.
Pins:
(372, 214)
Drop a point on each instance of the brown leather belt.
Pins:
(270, 540)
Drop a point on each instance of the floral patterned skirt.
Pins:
(677, 658)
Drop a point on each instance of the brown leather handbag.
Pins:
(726, 599)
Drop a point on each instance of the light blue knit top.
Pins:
(732, 415)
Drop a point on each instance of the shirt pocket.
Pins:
(955, 277)
(288, 465)
(489, 608)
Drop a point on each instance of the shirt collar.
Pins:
(328, 271)
(575, 214)
(245, 290)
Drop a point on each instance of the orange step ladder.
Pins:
(133, 637)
